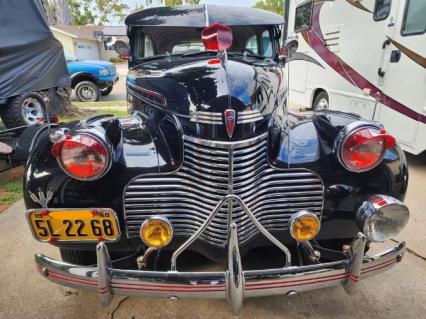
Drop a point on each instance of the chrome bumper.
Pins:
(233, 284)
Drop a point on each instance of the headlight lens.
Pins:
(82, 156)
(304, 226)
(103, 72)
(382, 217)
(156, 232)
(360, 147)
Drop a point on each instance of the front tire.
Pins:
(78, 257)
(321, 102)
(87, 91)
(107, 90)
(26, 109)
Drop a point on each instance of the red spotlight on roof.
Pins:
(217, 37)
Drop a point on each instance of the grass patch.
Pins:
(114, 112)
(100, 104)
(10, 187)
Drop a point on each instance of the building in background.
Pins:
(90, 42)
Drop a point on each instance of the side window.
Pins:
(266, 43)
(414, 17)
(148, 48)
(382, 9)
(303, 18)
(251, 45)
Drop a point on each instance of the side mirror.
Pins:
(291, 46)
(122, 48)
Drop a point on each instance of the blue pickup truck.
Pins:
(90, 79)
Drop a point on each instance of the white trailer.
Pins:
(363, 56)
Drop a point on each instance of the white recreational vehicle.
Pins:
(363, 56)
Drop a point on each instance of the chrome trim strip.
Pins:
(225, 144)
(216, 118)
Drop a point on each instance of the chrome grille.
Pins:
(189, 195)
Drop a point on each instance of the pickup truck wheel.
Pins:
(78, 257)
(87, 91)
(26, 109)
(321, 102)
(107, 90)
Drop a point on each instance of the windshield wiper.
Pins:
(246, 54)
(199, 53)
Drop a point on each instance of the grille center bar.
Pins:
(230, 184)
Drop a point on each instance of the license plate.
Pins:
(74, 224)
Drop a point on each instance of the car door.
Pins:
(402, 74)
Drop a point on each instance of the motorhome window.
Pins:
(382, 9)
(303, 18)
(188, 47)
(414, 17)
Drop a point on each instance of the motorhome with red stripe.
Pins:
(363, 56)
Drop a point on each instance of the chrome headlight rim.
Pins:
(376, 205)
(345, 133)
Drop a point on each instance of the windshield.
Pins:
(251, 40)
(69, 56)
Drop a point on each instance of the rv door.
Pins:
(402, 75)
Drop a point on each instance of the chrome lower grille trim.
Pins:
(188, 196)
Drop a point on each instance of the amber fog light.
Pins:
(156, 232)
(382, 217)
(304, 226)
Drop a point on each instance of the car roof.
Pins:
(200, 16)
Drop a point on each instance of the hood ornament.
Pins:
(230, 120)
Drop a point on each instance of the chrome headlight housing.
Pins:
(382, 217)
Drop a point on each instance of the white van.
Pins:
(363, 56)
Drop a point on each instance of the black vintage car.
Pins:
(211, 163)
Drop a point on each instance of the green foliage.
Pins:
(96, 11)
(10, 188)
(276, 6)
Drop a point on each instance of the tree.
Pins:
(276, 6)
(96, 11)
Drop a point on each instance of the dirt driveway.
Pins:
(398, 293)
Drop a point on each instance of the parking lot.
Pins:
(398, 293)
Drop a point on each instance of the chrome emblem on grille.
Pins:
(229, 118)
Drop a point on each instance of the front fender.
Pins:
(134, 153)
(309, 142)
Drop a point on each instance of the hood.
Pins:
(200, 90)
(90, 63)
(207, 86)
